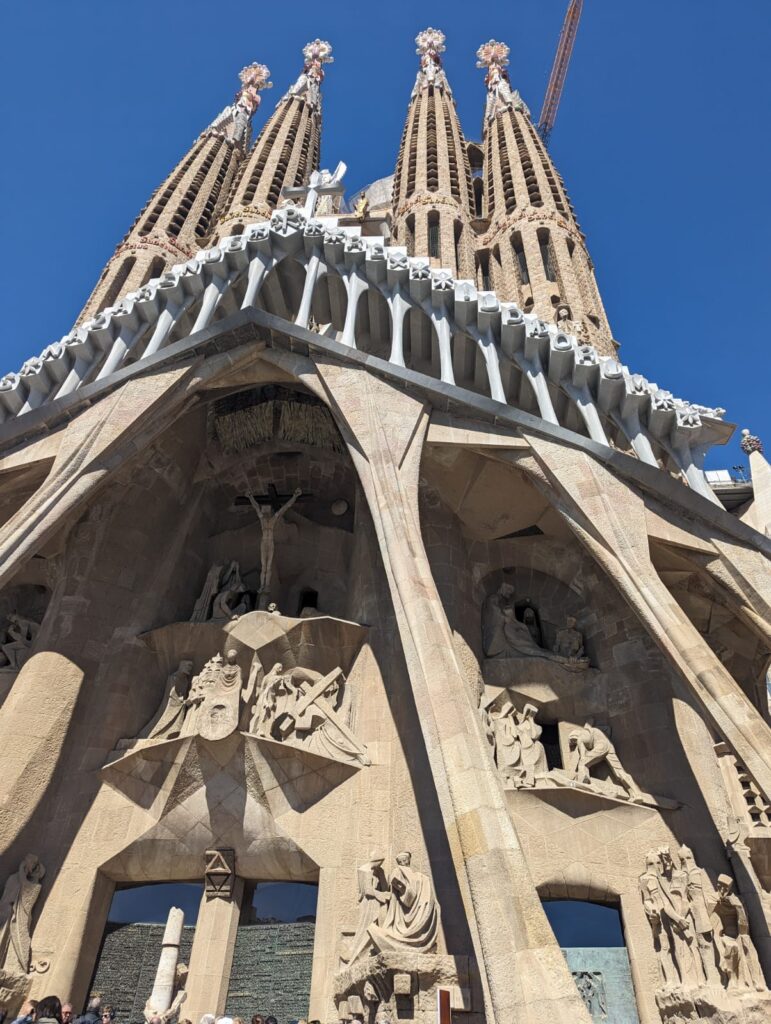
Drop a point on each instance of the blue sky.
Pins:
(662, 139)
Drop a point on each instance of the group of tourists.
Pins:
(52, 1010)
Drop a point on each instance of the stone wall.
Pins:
(128, 960)
(271, 971)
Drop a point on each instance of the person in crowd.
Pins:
(237, 1020)
(185, 1021)
(27, 1012)
(49, 1011)
(93, 1014)
(208, 1018)
(108, 1015)
(67, 1013)
(258, 1019)
(271, 1020)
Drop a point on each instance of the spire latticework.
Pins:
(287, 149)
(532, 251)
(178, 219)
(432, 195)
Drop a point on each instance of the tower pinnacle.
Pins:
(430, 46)
(287, 149)
(179, 216)
(432, 195)
(500, 96)
(530, 250)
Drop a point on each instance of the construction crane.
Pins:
(559, 69)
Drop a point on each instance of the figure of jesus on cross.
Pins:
(268, 519)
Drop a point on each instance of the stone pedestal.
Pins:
(212, 955)
(711, 1005)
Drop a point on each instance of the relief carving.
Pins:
(506, 636)
(20, 894)
(700, 934)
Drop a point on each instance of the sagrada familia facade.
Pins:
(340, 547)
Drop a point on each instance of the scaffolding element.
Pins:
(559, 69)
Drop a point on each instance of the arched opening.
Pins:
(434, 246)
(154, 270)
(421, 347)
(132, 942)
(591, 937)
(118, 282)
(373, 324)
(282, 290)
(329, 304)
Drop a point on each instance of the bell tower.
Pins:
(432, 196)
(532, 251)
(287, 150)
(177, 220)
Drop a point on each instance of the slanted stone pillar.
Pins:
(211, 957)
(524, 975)
(163, 988)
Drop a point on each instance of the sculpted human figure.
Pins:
(591, 747)
(19, 896)
(653, 904)
(674, 886)
(232, 599)
(411, 920)
(202, 609)
(738, 961)
(199, 688)
(517, 743)
(168, 723)
(268, 519)
(373, 899)
(698, 889)
(21, 635)
(569, 642)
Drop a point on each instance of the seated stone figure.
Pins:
(411, 920)
(504, 636)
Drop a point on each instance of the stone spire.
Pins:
(531, 249)
(432, 196)
(287, 150)
(178, 218)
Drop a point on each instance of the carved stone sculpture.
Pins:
(592, 988)
(411, 920)
(218, 693)
(569, 642)
(737, 959)
(590, 747)
(304, 708)
(19, 897)
(504, 636)
(268, 519)
(168, 992)
(701, 935)
(373, 900)
(168, 724)
(21, 634)
(219, 874)
(223, 596)
(518, 750)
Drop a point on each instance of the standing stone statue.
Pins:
(168, 992)
(518, 748)
(268, 519)
(169, 723)
(411, 920)
(232, 598)
(655, 910)
(700, 915)
(738, 961)
(202, 609)
(373, 899)
(19, 897)
(590, 747)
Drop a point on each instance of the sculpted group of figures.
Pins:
(396, 914)
(521, 757)
(298, 706)
(701, 934)
(505, 635)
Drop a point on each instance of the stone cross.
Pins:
(320, 184)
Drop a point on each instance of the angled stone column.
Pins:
(163, 988)
(524, 975)
(608, 517)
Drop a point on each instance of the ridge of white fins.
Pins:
(595, 391)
